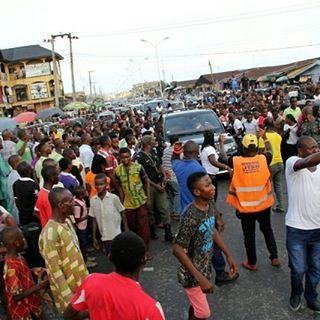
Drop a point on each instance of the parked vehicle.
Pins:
(190, 125)
(106, 115)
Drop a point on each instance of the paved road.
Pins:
(261, 295)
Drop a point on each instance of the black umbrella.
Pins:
(50, 112)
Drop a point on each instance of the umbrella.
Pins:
(282, 79)
(7, 123)
(49, 113)
(26, 117)
(76, 106)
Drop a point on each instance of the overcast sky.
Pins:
(231, 34)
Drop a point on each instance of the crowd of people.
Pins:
(110, 186)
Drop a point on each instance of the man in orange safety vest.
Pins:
(250, 193)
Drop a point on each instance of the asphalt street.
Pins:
(261, 295)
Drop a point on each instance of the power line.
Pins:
(204, 53)
(196, 23)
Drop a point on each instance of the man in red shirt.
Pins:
(42, 209)
(117, 295)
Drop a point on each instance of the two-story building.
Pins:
(27, 80)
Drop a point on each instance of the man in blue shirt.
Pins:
(183, 169)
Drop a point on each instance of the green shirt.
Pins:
(295, 112)
(66, 269)
(132, 185)
(27, 155)
(56, 156)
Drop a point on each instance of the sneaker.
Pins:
(315, 306)
(295, 303)
(224, 278)
(91, 264)
(275, 262)
(251, 267)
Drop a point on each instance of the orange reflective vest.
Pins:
(250, 188)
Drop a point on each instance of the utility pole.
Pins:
(90, 81)
(55, 70)
(72, 67)
(210, 66)
(55, 74)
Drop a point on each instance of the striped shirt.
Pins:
(66, 269)
(167, 162)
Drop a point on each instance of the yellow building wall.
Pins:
(11, 80)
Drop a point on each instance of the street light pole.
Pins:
(155, 46)
(140, 72)
(90, 81)
(159, 74)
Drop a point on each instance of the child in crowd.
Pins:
(81, 216)
(20, 288)
(68, 180)
(42, 209)
(107, 211)
(193, 245)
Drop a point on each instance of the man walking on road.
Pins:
(303, 223)
(183, 169)
(250, 194)
(156, 175)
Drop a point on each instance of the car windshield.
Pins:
(192, 123)
(153, 105)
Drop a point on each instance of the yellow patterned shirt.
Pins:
(66, 269)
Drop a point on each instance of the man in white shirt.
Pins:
(250, 127)
(86, 153)
(303, 223)
(238, 130)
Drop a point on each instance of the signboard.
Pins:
(38, 90)
(37, 70)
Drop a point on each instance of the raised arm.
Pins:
(308, 162)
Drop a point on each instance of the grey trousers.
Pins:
(276, 171)
(159, 204)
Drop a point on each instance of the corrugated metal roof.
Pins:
(31, 52)
(255, 73)
(296, 72)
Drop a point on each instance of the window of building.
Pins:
(21, 92)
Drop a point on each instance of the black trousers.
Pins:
(248, 223)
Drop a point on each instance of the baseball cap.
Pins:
(250, 139)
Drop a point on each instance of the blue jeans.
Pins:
(304, 260)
